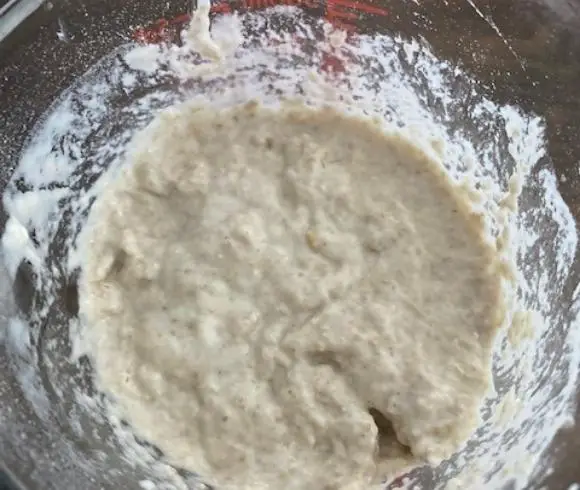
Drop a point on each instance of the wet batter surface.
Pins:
(289, 298)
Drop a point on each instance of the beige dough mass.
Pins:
(289, 298)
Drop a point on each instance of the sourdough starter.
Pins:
(289, 298)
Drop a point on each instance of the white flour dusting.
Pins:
(81, 142)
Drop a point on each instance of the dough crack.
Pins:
(388, 444)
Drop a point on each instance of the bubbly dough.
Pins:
(289, 298)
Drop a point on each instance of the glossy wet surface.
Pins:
(526, 52)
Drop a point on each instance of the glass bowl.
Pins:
(454, 70)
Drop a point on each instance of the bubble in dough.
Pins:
(289, 298)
